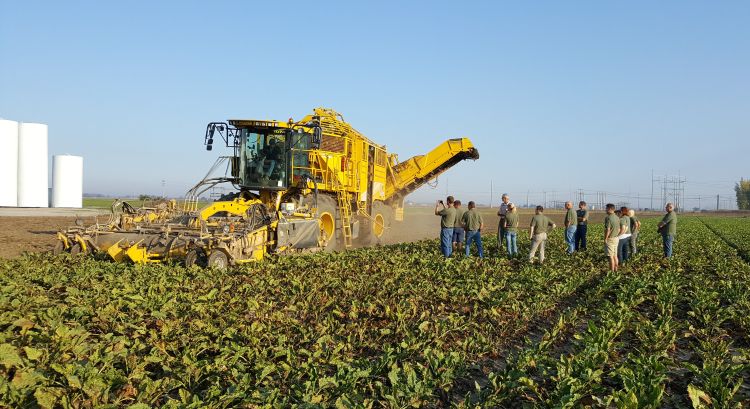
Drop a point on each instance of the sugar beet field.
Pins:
(394, 326)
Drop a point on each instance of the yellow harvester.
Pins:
(312, 184)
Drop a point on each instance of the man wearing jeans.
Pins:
(571, 220)
(511, 230)
(473, 224)
(447, 221)
(583, 220)
(540, 225)
(458, 230)
(668, 229)
(501, 224)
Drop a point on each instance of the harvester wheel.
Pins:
(218, 259)
(329, 221)
(76, 249)
(59, 248)
(195, 257)
(376, 228)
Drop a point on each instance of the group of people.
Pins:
(459, 227)
(621, 228)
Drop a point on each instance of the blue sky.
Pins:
(557, 96)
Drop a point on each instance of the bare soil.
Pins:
(34, 230)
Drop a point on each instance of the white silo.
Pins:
(67, 181)
(32, 165)
(8, 163)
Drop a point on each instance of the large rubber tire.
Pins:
(330, 221)
(375, 229)
(218, 260)
(196, 257)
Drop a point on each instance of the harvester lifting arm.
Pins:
(413, 173)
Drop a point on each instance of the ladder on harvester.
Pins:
(345, 209)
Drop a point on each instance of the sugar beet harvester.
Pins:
(300, 186)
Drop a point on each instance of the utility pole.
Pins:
(490, 194)
(527, 199)
(652, 190)
(717, 202)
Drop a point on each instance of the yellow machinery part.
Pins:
(116, 252)
(140, 255)
(237, 207)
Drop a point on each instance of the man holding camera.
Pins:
(447, 221)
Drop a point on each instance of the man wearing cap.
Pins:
(571, 220)
(668, 229)
(501, 224)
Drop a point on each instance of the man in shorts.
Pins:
(611, 239)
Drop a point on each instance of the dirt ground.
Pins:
(33, 230)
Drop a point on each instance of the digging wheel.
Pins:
(218, 259)
(195, 257)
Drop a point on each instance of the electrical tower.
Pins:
(672, 189)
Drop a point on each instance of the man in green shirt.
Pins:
(635, 228)
(511, 230)
(447, 221)
(540, 225)
(668, 229)
(583, 220)
(473, 224)
(458, 228)
(571, 220)
(611, 231)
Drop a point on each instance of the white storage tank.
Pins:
(8, 163)
(33, 165)
(67, 181)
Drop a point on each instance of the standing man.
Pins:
(511, 230)
(611, 230)
(668, 229)
(635, 228)
(583, 219)
(540, 225)
(447, 221)
(458, 229)
(571, 220)
(473, 224)
(623, 245)
(501, 224)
